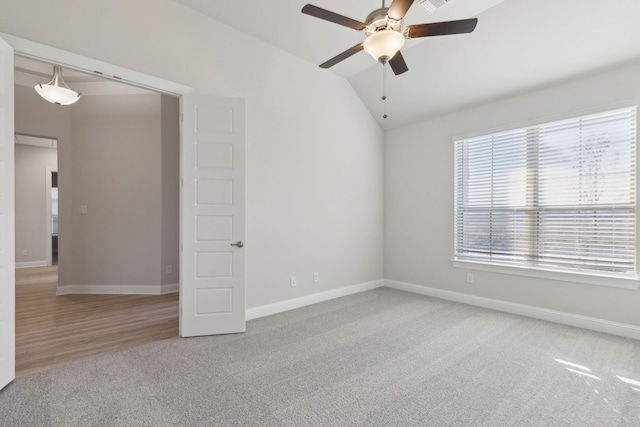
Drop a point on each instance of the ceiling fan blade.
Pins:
(341, 57)
(397, 64)
(441, 28)
(399, 8)
(332, 17)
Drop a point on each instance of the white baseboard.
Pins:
(169, 288)
(118, 289)
(29, 264)
(594, 324)
(292, 304)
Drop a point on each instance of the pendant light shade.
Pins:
(383, 45)
(56, 91)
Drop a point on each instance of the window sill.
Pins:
(590, 279)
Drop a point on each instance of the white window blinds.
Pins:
(558, 196)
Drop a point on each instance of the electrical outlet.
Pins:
(25, 252)
(292, 281)
(316, 277)
(168, 269)
(470, 277)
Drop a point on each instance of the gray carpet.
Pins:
(380, 358)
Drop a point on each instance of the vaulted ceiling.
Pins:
(518, 46)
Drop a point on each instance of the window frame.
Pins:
(590, 278)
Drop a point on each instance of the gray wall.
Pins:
(420, 200)
(314, 154)
(31, 193)
(116, 169)
(170, 176)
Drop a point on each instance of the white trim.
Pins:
(118, 289)
(103, 88)
(29, 264)
(576, 277)
(169, 288)
(292, 304)
(36, 141)
(52, 55)
(592, 323)
(7, 219)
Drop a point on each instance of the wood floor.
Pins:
(55, 330)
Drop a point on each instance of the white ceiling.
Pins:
(518, 45)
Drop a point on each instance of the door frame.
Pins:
(41, 52)
(7, 217)
(50, 143)
(49, 54)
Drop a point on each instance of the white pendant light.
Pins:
(383, 45)
(56, 91)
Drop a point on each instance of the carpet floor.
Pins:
(379, 358)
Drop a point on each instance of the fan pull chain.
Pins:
(384, 90)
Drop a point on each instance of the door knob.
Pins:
(239, 244)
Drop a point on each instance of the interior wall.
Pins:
(314, 153)
(31, 168)
(419, 223)
(117, 167)
(170, 178)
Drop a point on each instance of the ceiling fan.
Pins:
(384, 33)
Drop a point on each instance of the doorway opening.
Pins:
(36, 159)
(90, 226)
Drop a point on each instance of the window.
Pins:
(556, 197)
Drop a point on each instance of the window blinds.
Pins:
(558, 196)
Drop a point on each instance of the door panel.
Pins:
(212, 283)
(7, 226)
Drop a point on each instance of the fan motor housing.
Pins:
(378, 20)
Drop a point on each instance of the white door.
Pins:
(212, 269)
(7, 226)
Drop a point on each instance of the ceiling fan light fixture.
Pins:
(383, 45)
(57, 91)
